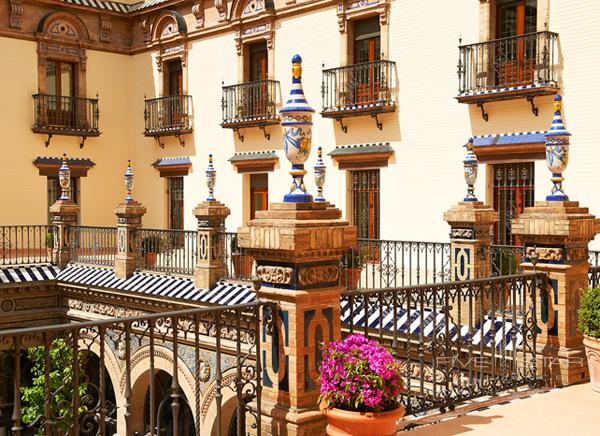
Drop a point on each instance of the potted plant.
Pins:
(49, 243)
(242, 263)
(150, 248)
(589, 325)
(360, 389)
(351, 268)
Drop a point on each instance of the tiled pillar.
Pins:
(558, 232)
(471, 234)
(297, 248)
(210, 262)
(471, 225)
(129, 218)
(64, 214)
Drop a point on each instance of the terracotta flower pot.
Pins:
(242, 265)
(351, 277)
(150, 259)
(592, 351)
(345, 423)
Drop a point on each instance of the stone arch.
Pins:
(163, 361)
(243, 9)
(169, 24)
(63, 25)
(228, 404)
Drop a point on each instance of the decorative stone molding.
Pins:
(169, 32)
(353, 9)
(105, 26)
(62, 36)
(462, 233)
(16, 14)
(280, 275)
(198, 12)
(102, 308)
(221, 6)
(321, 274)
(545, 254)
(209, 396)
(263, 30)
(145, 26)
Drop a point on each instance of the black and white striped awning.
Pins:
(30, 273)
(158, 285)
(116, 6)
(434, 323)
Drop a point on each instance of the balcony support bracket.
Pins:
(47, 142)
(341, 121)
(181, 140)
(378, 123)
(239, 135)
(82, 143)
(265, 133)
(534, 108)
(484, 114)
(158, 141)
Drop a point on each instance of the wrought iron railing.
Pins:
(250, 103)
(457, 340)
(594, 257)
(594, 276)
(168, 115)
(367, 84)
(29, 244)
(376, 263)
(506, 259)
(93, 245)
(506, 62)
(167, 251)
(66, 115)
(91, 377)
(238, 264)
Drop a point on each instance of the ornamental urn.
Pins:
(297, 134)
(211, 179)
(470, 167)
(64, 178)
(557, 152)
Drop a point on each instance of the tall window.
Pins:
(257, 61)
(513, 189)
(60, 87)
(366, 76)
(515, 57)
(365, 202)
(174, 77)
(55, 191)
(175, 194)
(259, 193)
(367, 42)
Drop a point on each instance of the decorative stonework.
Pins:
(105, 27)
(170, 34)
(546, 254)
(279, 275)
(221, 6)
(352, 9)
(103, 308)
(16, 14)
(322, 274)
(458, 233)
(198, 12)
(145, 26)
(251, 33)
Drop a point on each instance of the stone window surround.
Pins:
(169, 33)
(260, 27)
(62, 36)
(346, 12)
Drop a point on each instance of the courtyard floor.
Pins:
(573, 410)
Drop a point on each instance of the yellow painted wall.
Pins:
(424, 177)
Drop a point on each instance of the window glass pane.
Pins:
(365, 202)
(50, 78)
(507, 20)
(66, 79)
(175, 188)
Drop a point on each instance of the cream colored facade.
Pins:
(423, 176)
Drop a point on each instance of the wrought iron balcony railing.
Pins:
(356, 89)
(170, 115)
(56, 115)
(250, 104)
(27, 244)
(528, 61)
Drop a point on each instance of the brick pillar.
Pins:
(471, 225)
(64, 214)
(129, 218)
(210, 261)
(297, 248)
(559, 232)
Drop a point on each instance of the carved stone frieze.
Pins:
(545, 254)
(458, 233)
(280, 275)
(102, 308)
(318, 274)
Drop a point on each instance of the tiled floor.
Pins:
(570, 411)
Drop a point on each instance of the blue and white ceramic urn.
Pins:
(470, 166)
(297, 123)
(557, 152)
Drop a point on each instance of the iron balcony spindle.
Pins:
(66, 115)
(170, 114)
(250, 103)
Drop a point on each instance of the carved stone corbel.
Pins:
(145, 26)
(16, 14)
(105, 26)
(384, 17)
(221, 6)
(198, 12)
